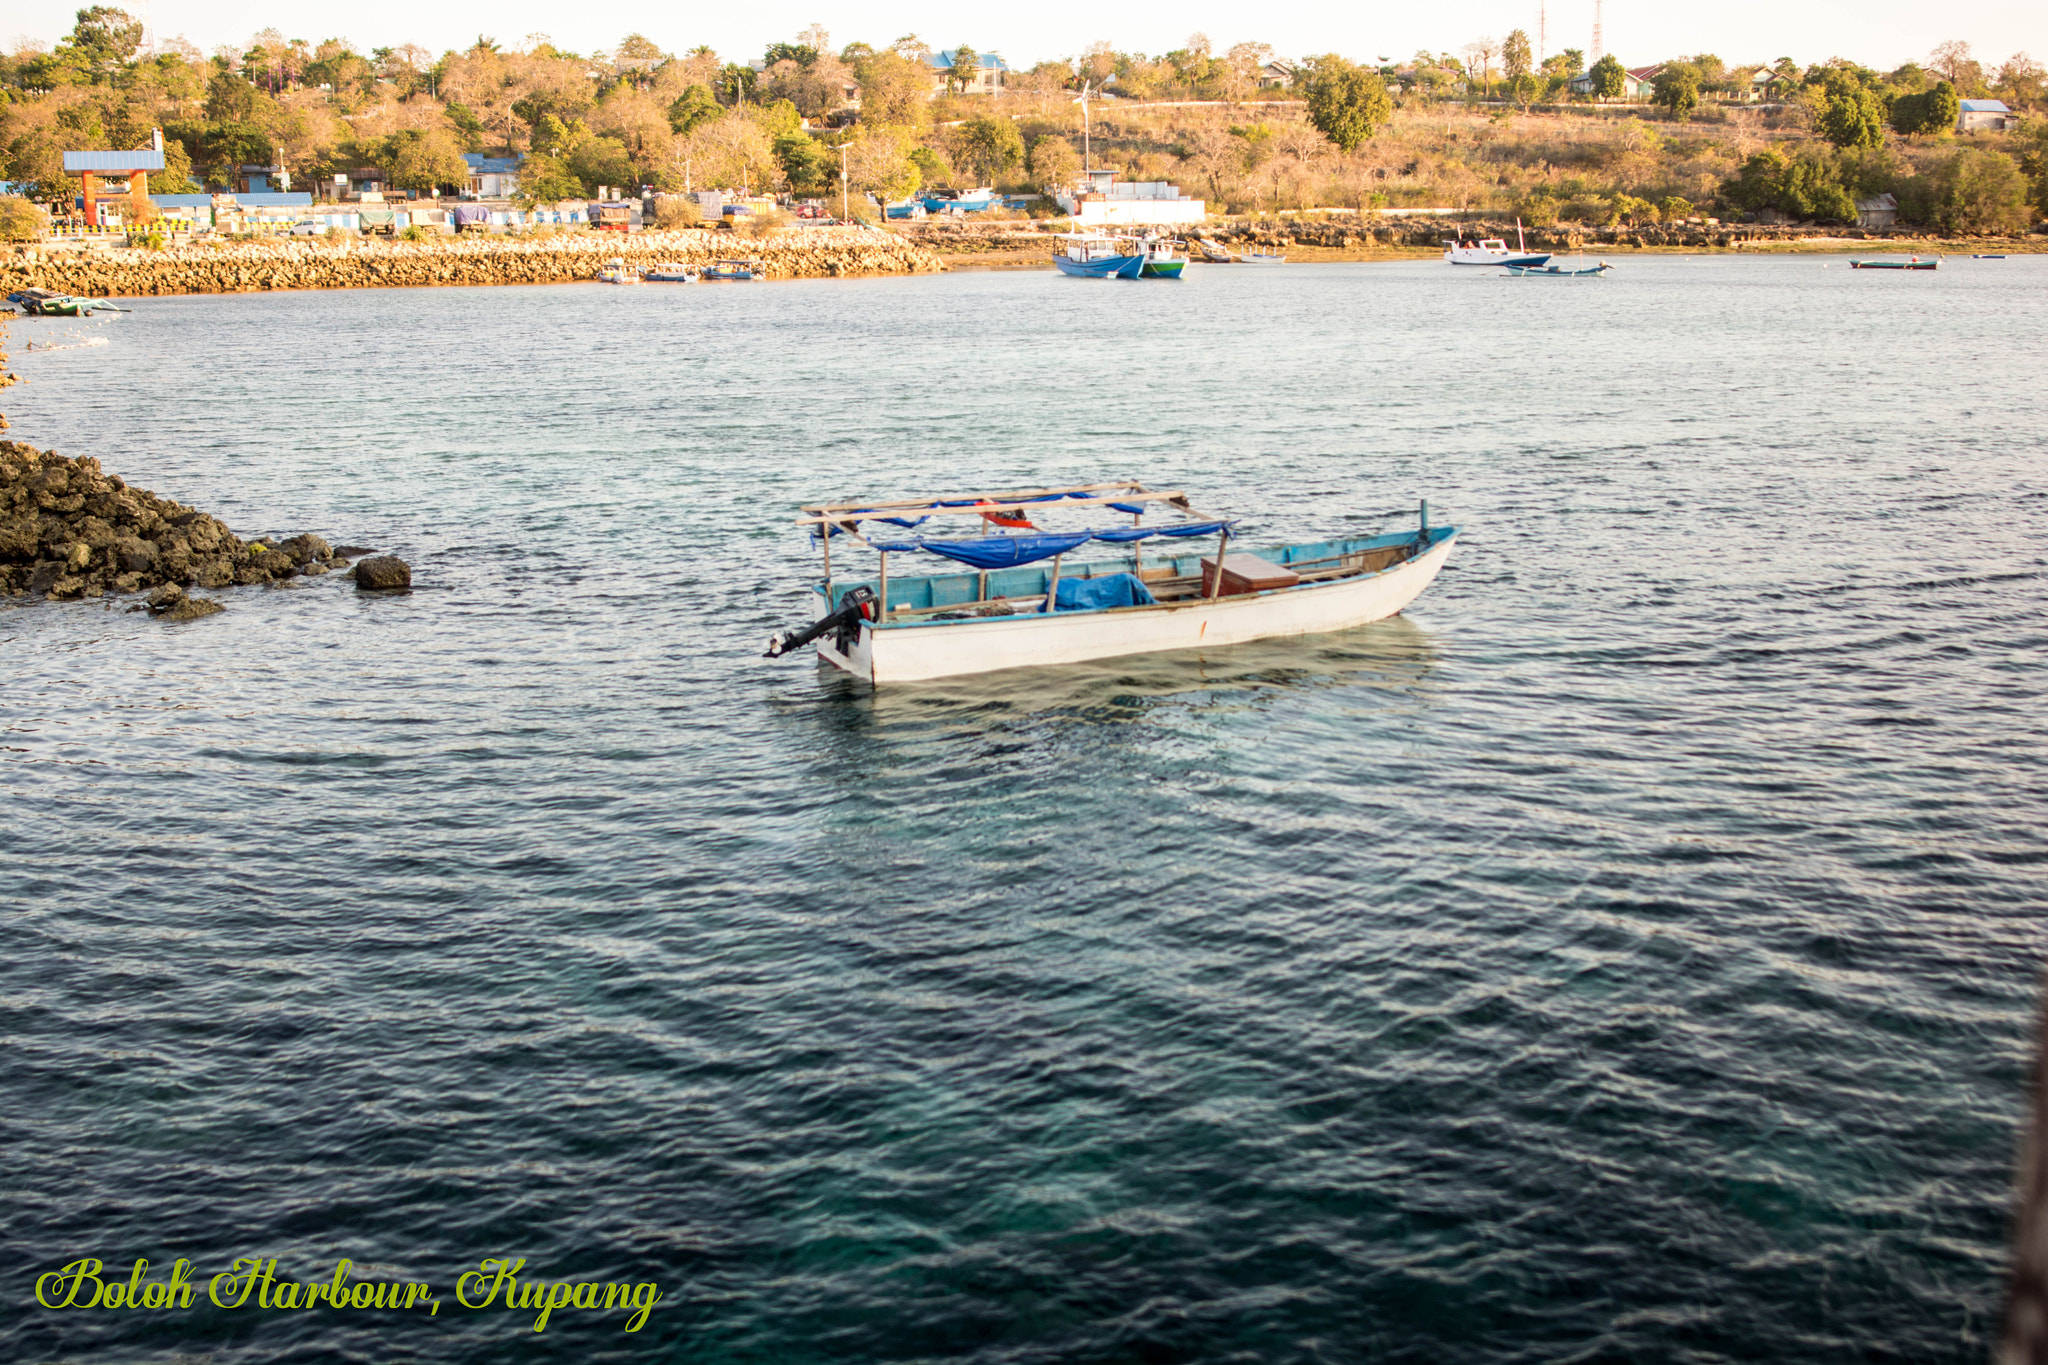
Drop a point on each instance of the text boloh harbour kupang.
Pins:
(252, 1282)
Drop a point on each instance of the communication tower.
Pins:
(1598, 50)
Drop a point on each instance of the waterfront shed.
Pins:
(1879, 211)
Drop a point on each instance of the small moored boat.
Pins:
(735, 268)
(1164, 259)
(1015, 601)
(672, 272)
(1213, 253)
(1262, 258)
(1911, 263)
(1493, 251)
(616, 271)
(1098, 256)
(48, 303)
(1577, 272)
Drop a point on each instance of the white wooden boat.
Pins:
(616, 271)
(1494, 251)
(993, 613)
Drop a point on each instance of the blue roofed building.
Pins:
(493, 177)
(1986, 116)
(986, 78)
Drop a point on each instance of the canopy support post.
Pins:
(1052, 588)
(883, 614)
(825, 535)
(1222, 549)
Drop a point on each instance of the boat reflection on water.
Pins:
(1395, 657)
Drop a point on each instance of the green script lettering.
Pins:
(78, 1272)
(651, 1296)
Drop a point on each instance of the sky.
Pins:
(1878, 33)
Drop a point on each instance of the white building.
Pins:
(1099, 201)
(1986, 116)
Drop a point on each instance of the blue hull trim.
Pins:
(1114, 268)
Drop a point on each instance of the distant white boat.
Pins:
(1493, 251)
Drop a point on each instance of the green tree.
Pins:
(1610, 78)
(2034, 162)
(1054, 161)
(1525, 89)
(105, 39)
(1516, 56)
(1969, 191)
(966, 66)
(546, 179)
(230, 99)
(1677, 89)
(932, 168)
(599, 161)
(423, 160)
(804, 163)
(1929, 111)
(1347, 103)
(1851, 114)
(693, 108)
(21, 220)
(988, 147)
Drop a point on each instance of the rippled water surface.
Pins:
(1626, 955)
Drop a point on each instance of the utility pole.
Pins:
(844, 211)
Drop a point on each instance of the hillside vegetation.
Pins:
(1491, 131)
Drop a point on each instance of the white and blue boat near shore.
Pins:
(1017, 601)
(1100, 256)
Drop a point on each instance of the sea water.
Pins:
(1629, 953)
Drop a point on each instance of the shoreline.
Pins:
(359, 263)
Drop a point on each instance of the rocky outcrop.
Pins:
(68, 529)
(355, 263)
(383, 573)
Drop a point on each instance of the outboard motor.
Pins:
(855, 606)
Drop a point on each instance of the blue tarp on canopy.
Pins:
(1093, 594)
(1007, 552)
(1004, 552)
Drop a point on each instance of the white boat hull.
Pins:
(908, 652)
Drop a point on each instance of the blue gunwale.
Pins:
(962, 589)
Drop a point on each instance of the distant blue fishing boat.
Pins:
(1094, 256)
(974, 201)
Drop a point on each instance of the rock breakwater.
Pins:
(70, 530)
(472, 259)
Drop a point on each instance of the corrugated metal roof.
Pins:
(113, 161)
(988, 60)
(1985, 107)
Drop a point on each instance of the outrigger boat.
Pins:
(1018, 602)
(1577, 273)
(615, 271)
(671, 272)
(48, 303)
(1913, 263)
(1213, 253)
(735, 268)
